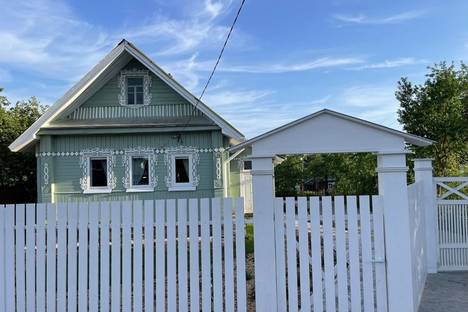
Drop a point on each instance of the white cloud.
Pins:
(399, 62)
(392, 19)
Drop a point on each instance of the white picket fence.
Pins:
(184, 255)
(330, 254)
(452, 213)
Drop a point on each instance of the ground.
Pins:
(447, 292)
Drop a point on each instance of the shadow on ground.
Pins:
(446, 292)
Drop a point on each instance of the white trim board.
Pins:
(71, 96)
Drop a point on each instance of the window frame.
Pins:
(85, 164)
(98, 189)
(182, 186)
(135, 91)
(140, 188)
(123, 85)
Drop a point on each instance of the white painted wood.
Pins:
(291, 244)
(379, 255)
(316, 254)
(182, 254)
(328, 246)
(138, 255)
(160, 215)
(105, 264)
(19, 259)
(194, 256)
(30, 256)
(51, 253)
(240, 256)
(2, 256)
(217, 261)
(149, 255)
(354, 255)
(126, 256)
(115, 256)
(367, 258)
(228, 255)
(280, 255)
(40, 258)
(171, 256)
(304, 262)
(205, 253)
(341, 254)
(93, 256)
(83, 257)
(62, 215)
(72, 256)
(9, 261)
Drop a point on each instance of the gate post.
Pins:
(394, 191)
(263, 193)
(423, 174)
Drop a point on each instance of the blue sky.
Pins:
(285, 59)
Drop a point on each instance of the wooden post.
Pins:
(394, 191)
(264, 234)
(423, 174)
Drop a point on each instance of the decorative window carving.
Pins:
(182, 168)
(45, 176)
(145, 179)
(94, 164)
(218, 181)
(128, 87)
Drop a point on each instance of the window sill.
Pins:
(139, 190)
(97, 191)
(180, 188)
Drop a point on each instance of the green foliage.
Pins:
(353, 173)
(249, 239)
(438, 110)
(18, 173)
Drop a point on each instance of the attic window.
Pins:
(135, 88)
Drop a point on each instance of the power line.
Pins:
(216, 65)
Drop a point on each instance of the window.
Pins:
(247, 165)
(140, 164)
(140, 171)
(135, 91)
(182, 168)
(98, 174)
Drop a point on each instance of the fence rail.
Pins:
(159, 255)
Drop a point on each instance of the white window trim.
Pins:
(85, 181)
(124, 74)
(128, 164)
(193, 157)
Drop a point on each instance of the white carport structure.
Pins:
(327, 131)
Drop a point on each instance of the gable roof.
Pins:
(409, 138)
(113, 58)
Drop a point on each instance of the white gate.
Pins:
(246, 189)
(452, 213)
(330, 254)
(184, 255)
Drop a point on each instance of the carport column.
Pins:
(423, 174)
(263, 193)
(394, 191)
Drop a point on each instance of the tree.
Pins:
(18, 170)
(438, 110)
(288, 175)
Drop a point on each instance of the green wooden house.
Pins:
(127, 130)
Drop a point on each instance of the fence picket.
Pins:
(341, 254)
(83, 257)
(137, 255)
(104, 271)
(61, 256)
(367, 264)
(240, 257)
(72, 255)
(30, 256)
(182, 253)
(171, 256)
(354, 262)
(149, 252)
(2, 256)
(217, 262)
(19, 261)
(40, 259)
(291, 244)
(51, 255)
(160, 256)
(10, 261)
(228, 255)
(316, 254)
(194, 275)
(304, 259)
(205, 251)
(379, 254)
(93, 279)
(127, 256)
(115, 256)
(328, 246)
(279, 253)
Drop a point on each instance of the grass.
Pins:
(249, 239)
